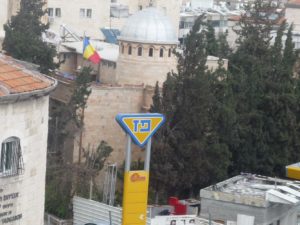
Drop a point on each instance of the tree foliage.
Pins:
(221, 123)
(65, 178)
(23, 36)
(188, 150)
(265, 97)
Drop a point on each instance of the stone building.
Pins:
(253, 200)
(146, 44)
(24, 96)
(7, 9)
(170, 8)
(292, 14)
(144, 57)
(79, 16)
(126, 76)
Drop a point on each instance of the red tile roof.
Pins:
(293, 4)
(294, 1)
(16, 77)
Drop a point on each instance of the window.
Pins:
(151, 52)
(50, 12)
(11, 161)
(278, 222)
(89, 13)
(129, 50)
(122, 48)
(140, 51)
(82, 13)
(85, 13)
(170, 52)
(140, 7)
(58, 12)
(161, 52)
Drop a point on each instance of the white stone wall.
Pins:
(27, 120)
(7, 9)
(70, 16)
(293, 16)
(3, 16)
(170, 7)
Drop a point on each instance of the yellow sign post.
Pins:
(139, 128)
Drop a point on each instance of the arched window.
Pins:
(129, 50)
(150, 52)
(161, 52)
(140, 51)
(170, 52)
(11, 160)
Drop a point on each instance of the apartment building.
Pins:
(7, 9)
(84, 18)
(253, 200)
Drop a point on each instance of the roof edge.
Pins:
(175, 42)
(18, 97)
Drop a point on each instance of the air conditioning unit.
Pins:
(51, 19)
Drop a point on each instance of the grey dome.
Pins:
(149, 26)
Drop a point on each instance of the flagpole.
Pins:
(98, 73)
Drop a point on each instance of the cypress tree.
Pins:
(264, 92)
(197, 154)
(23, 36)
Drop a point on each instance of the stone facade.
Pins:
(81, 17)
(104, 104)
(292, 15)
(170, 7)
(7, 9)
(28, 121)
(146, 68)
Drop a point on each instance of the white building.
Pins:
(7, 9)
(253, 200)
(202, 4)
(24, 96)
(292, 14)
(80, 16)
(171, 8)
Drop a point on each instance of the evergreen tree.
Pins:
(23, 36)
(193, 147)
(264, 92)
(212, 43)
(163, 174)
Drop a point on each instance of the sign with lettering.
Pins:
(141, 127)
(8, 206)
(135, 197)
(174, 220)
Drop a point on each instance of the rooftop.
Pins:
(107, 51)
(17, 77)
(293, 4)
(149, 26)
(255, 190)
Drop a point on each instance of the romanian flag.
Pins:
(89, 52)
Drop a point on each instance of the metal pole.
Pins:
(91, 189)
(110, 219)
(128, 154)
(148, 155)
